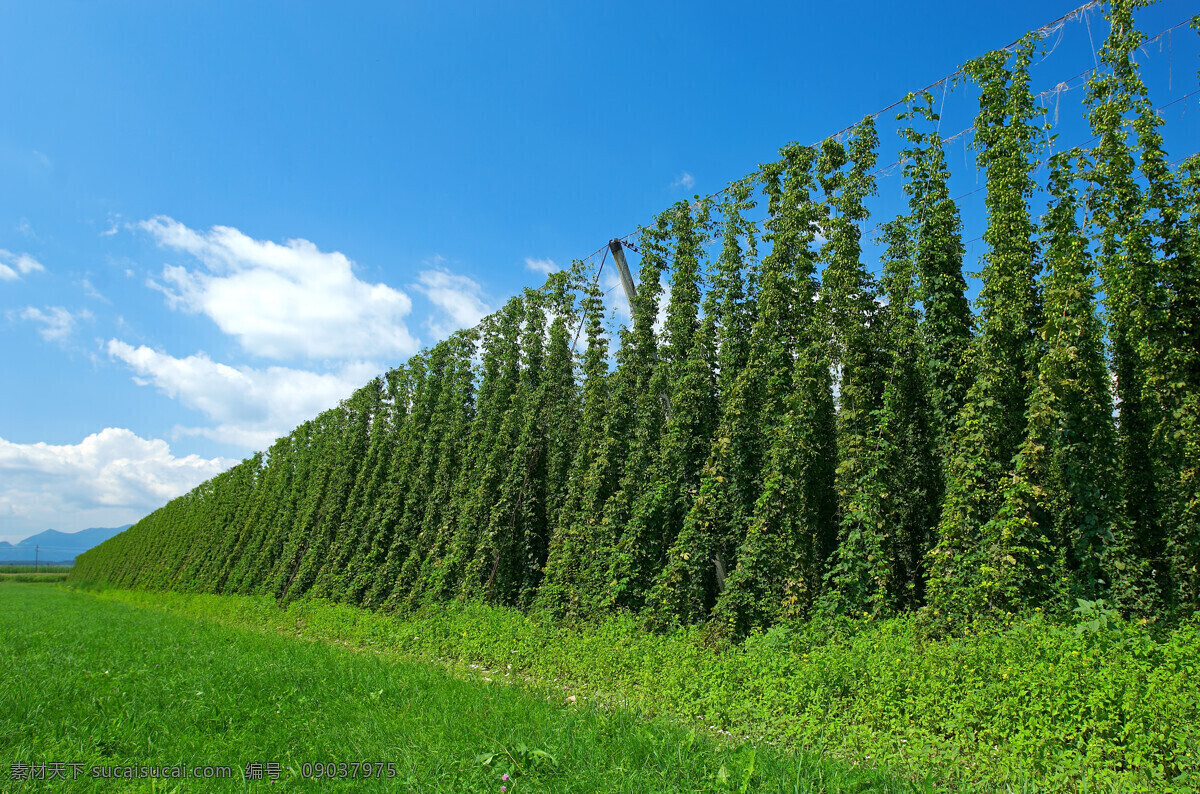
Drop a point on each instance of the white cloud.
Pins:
(543, 266)
(107, 479)
(459, 298)
(685, 180)
(13, 266)
(252, 407)
(90, 290)
(283, 301)
(57, 323)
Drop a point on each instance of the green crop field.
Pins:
(33, 577)
(103, 684)
(36, 569)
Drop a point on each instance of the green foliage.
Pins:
(503, 560)
(35, 568)
(32, 577)
(985, 560)
(1129, 274)
(762, 446)
(436, 430)
(1069, 452)
(566, 586)
(860, 352)
(790, 534)
(684, 375)
(401, 447)
(1095, 616)
(334, 579)
(937, 250)
(488, 448)
(638, 402)
(1029, 704)
(889, 511)
(693, 574)
(1176, 346)
(781, 562)
(144, 686)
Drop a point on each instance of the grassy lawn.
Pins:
(103, 683)
(33, 577)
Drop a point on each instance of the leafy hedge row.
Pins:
(798, 437)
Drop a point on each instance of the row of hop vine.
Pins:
(800, 435)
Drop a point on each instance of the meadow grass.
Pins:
(38, 569)
(1027, 704)
(101, 682)
(33, 577)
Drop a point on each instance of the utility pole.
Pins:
(618, 253)
(36, 549)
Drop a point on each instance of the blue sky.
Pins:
(219, 218)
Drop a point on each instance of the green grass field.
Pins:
(37, 569)
(102, 683)
(1026, 705)
(33, 577)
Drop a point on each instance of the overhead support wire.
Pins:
(616, 245)
(1041, 33)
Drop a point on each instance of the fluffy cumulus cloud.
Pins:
(109, 478)
(56, 322)
(251, 407)
(543, 266)
(458, 298)
(283, 301)
(13, 266)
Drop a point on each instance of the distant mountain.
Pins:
(53, 546)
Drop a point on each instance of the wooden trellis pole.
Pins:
(618, 253)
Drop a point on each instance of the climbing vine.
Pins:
(783, 427)
(979, 563)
